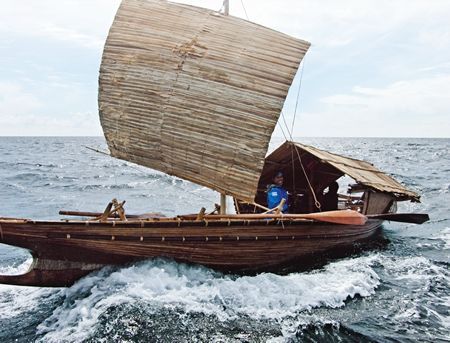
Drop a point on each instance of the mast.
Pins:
(223, 197)
(226, 7)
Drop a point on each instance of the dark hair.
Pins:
(278, 173)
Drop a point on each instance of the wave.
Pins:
(195, 289)
(163, 288)
(18, 300)
(444, 236)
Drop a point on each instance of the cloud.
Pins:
(338, 23)
(68, 124)
(34, 108)
(15, 101)
(420, 96)
(372, 62)
(418, 107)
(71, 35)
(85, 23)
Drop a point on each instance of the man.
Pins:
(276, 192)
(330, 199)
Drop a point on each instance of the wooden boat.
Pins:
(196, 94)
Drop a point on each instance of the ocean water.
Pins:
(398, 291)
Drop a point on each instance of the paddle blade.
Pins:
(414, 218)
(347, 217)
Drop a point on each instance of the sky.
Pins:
(376, 68)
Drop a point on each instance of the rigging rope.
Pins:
(316, 201)
(222, 8)
(175, 186)
(245, 11)
(298, 93)
(282, 131)
(145, 173)
(293, 168)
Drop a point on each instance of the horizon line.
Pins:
(276, 137)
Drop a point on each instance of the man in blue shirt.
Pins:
(276, 192)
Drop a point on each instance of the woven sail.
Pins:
(193, 93)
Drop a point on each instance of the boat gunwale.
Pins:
(214, 233)
(175, 222)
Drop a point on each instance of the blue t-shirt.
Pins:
(274, 196)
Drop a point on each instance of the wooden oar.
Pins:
(415, 218)
(348, 217)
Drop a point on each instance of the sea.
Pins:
(397, 291)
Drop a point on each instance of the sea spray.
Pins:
(194, 289)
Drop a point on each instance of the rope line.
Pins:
(316, 201)
(245, 11)
(293, 168)
(282, 131)
(145, 173)
(180, 188)
(298, 93)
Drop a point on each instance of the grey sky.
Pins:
(376, 68)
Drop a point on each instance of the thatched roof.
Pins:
(329, 166)
(194, 93)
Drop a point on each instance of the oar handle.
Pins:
(414, 218)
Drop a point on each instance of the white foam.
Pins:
(445, 189)
(444, 235)
(18, 270)
(420, 273)
(446, 319)
(17, 299)
(200, 290)
(417, 269)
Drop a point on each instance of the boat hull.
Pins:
(63, 252)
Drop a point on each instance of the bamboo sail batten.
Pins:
(193, 93)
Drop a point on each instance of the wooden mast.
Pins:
(226, 7)
(223, 197)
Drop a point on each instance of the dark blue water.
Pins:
(399, 292)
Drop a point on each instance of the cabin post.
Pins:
(226, 7)
(223, 203)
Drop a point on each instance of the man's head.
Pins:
(278, 179)
(333, 187)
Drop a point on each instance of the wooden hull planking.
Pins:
(63, 252)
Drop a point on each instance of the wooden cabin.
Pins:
(309, 171)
